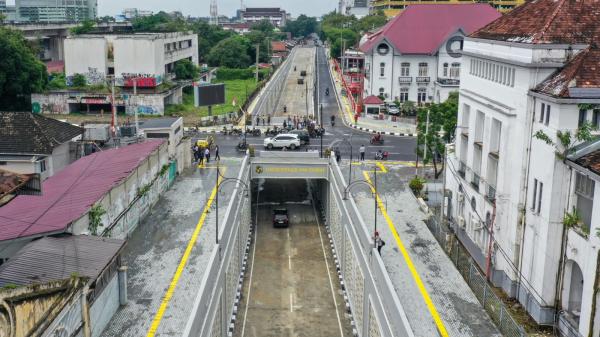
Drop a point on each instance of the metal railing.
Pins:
(405, 79)
(462, 169)
(475, 180)
(459, 255)
(423, 79)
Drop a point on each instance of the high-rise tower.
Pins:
(214, 13)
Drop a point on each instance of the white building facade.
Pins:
(509, 192)
(146, 59)
(400, 67)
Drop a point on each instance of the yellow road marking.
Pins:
(381, 166)
(182, 263)
(411, 267)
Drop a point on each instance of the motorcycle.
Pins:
(327, 92)
(381, 155)
(253, 132)
(236, 132)
(375, 141)
(271, 132)
(242, 146)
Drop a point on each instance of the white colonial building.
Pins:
(526, 77)
(147, 59)
(417, 55)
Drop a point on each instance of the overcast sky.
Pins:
(198, 8)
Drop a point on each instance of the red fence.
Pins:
(356, 106)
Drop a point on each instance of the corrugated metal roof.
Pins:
(52, 259)
(421, 29)
(69, 194)
(158, 123)
(10, 182)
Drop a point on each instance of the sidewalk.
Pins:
(368, 123)
(445, 305)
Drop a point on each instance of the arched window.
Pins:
(473, 203)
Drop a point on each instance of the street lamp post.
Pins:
(222, 180)
(349, 144)
(373, 187)
(321, 116)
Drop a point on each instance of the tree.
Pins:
(258, 37)
(302, 26)
(106, 19)
(208, 37)
(186, 70)
(233, 52)
(85, 27)
(442, 117)
(21, 73)
(567, 139)
(371, 21)
(264, 26)
(78, 81)
(159, 22)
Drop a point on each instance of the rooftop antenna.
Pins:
(242, 5)
(214, 13)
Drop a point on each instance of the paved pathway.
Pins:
(156, 249)
(459, 311)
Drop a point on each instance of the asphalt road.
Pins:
(399, 148)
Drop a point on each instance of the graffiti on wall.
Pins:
(148, 110)
(93, 77)
(48, 108)
(140, 80)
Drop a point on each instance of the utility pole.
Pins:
(444, 184)
(374, 198)
(113, 121)
(135, 112)
(321, 115)
(425, 143)
(257, 52)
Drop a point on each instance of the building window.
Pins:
(42, 166)
(542, 112)
(582, 117)
(423, 69)
(596, 118)
(445, 70)
(403, 95)
(538, 188)
(382, 69)
(422, 95)
(547, 115)
(405, 69)
(381, 91)
(455, 70)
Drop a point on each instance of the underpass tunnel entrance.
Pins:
(289, 291)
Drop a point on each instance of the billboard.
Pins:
(210, 94)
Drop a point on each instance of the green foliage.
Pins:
(408, 108)
(95, 215)
(57, 82)
(568, 140)
(228, 74)
(186, 70)
(302, 26)
(442, 117)
(416, 184)
(106, 19)
(164, 169)
(142, 191)
(78, 81)
(208, 37)
(335, 27)
(264, 26)
(572, 219)
(159, 22)
(85, 27)
(233, 52)
(21, 72)
(588, 106)
(9, 286)
(251, 150)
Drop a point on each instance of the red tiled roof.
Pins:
(547, 22)
(69, 194)
(278, 46)
(55, 66)
(421, 29)
(581, 72)
(372, 100)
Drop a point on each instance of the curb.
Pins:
(354, 126)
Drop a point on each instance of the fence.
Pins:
(476, 281)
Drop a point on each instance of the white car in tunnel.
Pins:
(286, 140)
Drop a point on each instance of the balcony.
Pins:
(448, 81)
(475, 181)
(423, 79)
(405, 79)
(462, 169)
(490, 194)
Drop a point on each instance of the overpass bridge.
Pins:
(320, 277)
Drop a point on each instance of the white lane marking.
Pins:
(251, 264)
(337, 312)
(290, 262)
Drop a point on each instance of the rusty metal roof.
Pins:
(583, 72)
(547, 22)
(52, 259)
(10, 182)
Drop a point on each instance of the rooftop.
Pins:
(262, 9)
(10, 182)
(547, 22)
(68, 195)
(373, 100)
(52, 259)
(278, 46)
(159, 123)
(28, 133)
(580, 78)
(587, 156)
(421, 29)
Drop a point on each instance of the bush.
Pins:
(225, 74)
(416, 185)
(79, 81)
(186, 70)
(57, 81)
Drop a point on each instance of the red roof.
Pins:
(278, 46)
(69, 194)
(547, 22)
(55, 66)
(374, 100)
(421, 29)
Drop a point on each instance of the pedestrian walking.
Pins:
(257, 121)
(217, 157)
(356, 118)
(361, 150)
(379, 243)
(263, 119)
(207, 155)
(200, 157)
(284, 125)
(268, 121)
(338, 155)
(195, 151)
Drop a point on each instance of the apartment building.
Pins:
(528, 80)
(56, 10)
(417, 56)
(392, 8)
(277, 16)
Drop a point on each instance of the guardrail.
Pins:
(375, 306)
(215, 306)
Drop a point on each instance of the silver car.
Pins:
(284, 140)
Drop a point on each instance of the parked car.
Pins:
(283, 140)
(393, 110)
(280, 217)
(302, 135)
